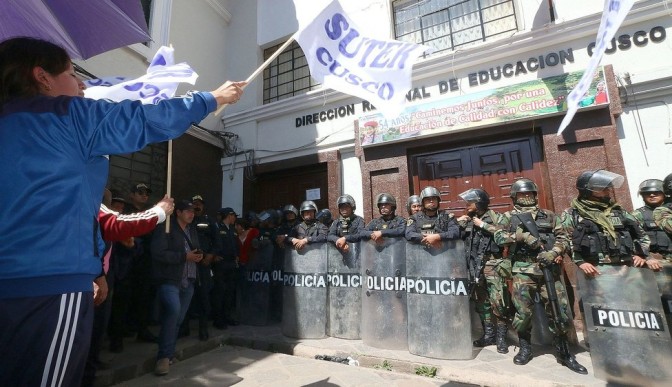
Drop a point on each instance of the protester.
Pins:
(56, 143)
(174, 258)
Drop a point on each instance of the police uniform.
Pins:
(349, 227)
(657, 224)
(314, 232)
(421, 224)
(394, 227)
(208, 236)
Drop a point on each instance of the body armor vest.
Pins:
(545, 223)
(590, 240)
(479, 244)
(344, 226)
(660, 241)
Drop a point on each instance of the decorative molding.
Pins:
(218, 6)
(159, 29)
(205, 136)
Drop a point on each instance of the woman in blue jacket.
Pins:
(54, 169)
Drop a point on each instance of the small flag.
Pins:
(613, 15)
(341, 58)
(161, 81)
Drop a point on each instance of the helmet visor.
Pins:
(469, 196)
(604, 179)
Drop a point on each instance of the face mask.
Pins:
(526, 201)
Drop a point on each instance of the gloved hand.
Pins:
(546, 258)
(528, 239)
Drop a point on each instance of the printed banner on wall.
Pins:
(517, 102)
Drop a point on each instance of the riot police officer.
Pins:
(430, 226)
(413, 205)
(289, 220)
(310, 230)
(603, 232)
(347, 227)
(325, 217)
(389, 224)
(536, 239)
(485, 262)
(653, 195)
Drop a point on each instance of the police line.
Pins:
(417, 285)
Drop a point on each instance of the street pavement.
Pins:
(262, 356)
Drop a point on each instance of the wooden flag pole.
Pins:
(169, 179)
(263, 66)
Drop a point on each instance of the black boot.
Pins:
(203, 334)
(502, 329)
(488, 337)
(525, 352)
(565, 358)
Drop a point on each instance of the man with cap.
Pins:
(225, 269)
(208, 236)
(139, 197)
(174, 259)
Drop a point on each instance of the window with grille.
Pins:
(287, 75)
(451, 24)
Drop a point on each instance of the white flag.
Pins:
(340, 58)
(161, 81)
(613, 15)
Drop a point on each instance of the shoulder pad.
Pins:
(410, 221)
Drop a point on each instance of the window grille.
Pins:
(288, 75)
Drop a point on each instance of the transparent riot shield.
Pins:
(438, 301)
(304, 307)
(254, 287)
(344, 294)
(664, 280)
(384, 314)
(629, 339)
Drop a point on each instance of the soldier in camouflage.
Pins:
(431, 226)
(662, 215)
(654, 197)
(485, 263)
(603, 232)
(535, 238)
(388, 225)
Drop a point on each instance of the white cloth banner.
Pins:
(161, 81)
(613, 15)
(340, 58)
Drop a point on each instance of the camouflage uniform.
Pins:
(657, 223)
(528, 279)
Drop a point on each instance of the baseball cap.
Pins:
(118, 199)
(226, 211)
(197, 197)
(141, 187)
(184, 205)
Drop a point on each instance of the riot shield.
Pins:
(438, 301)
(384, 314)
(664, 280)
(344, 292)
(629, 340)
(304, 307)
(254, 287)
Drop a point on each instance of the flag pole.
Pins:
(169, 179)
(263, 66)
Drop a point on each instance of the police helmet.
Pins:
(523, 185)
(667, 185)
(267, 216)
(324, 216)
(478, 196)
(430, 192)
(413, 199)
(386, 198)
(290, 208)
(346, 199)
(651, 185)
(308, 205)
(597, 180)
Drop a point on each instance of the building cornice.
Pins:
(516, 44)
(218, 6)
